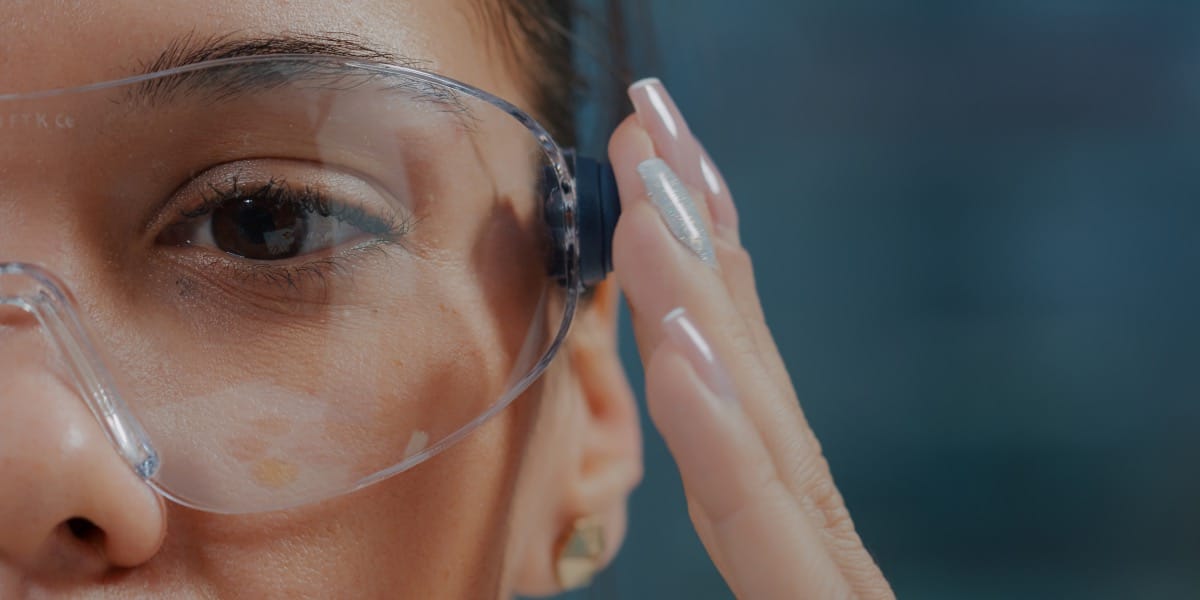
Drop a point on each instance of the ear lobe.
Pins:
(598, 441)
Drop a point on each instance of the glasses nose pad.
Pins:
(31, 296)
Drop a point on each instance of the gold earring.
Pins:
(580, 553)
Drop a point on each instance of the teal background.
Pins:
(975, 226)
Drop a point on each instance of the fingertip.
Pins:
(644, 82)
(629, 146)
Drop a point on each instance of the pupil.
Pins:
(258, 229)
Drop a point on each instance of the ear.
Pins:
(594, 440)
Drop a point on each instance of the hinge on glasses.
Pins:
(598, 206)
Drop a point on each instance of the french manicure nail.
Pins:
(686, 337)
(660, 116)
(677, 209)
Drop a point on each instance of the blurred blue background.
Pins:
(975, 226)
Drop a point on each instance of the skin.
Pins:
(481, 519)
(484, 518)
(759, 490)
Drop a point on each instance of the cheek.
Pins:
(282, 407)
(417, 532)
(420, 530)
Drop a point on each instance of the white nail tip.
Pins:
(655, 94)
(678, 210)
(673, 315)
(664, 113)
(641, 83)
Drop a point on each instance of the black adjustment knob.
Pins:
(598, 208)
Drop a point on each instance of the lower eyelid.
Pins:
(266, 293)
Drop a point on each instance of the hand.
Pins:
(758, 489)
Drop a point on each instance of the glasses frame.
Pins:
(94, 383)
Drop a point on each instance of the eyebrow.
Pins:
(191, 48)
(232, 80)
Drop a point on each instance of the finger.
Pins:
(767, 547)
(653, 266)
(675, 143)
(659, 273)
(673, 140)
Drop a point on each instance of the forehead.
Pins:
(59, 43)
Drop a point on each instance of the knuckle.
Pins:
(744, 341)
(824, 504)
(821, 498)
(865, 578)
(735, 258)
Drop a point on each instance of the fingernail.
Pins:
(674, 141)
(686, 337)
(677, 209)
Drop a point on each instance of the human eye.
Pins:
(275, 221)
(282, 225)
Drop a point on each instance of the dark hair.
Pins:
(546, 39)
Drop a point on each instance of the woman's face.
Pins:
(100, 207)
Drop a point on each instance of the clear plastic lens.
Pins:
(301, 275)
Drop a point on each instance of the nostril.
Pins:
(85, 531)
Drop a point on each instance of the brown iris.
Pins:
(260, 228)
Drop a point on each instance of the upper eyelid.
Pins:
(258, 172)
(218, 196)
(312, 200)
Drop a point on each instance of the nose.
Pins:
(70, 506)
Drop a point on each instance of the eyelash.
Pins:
(387, 231)
(276, 191)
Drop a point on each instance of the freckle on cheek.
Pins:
(274, 473)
